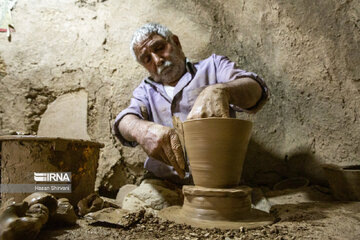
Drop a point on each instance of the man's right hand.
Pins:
(159, 142)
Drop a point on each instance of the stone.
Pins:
(65, 213)
(153, 195)
(91, 203)
(259, 201)
(123, 192)
(66, 117)
(110, 202)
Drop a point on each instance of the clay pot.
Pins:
(344, 181)
(216, 148)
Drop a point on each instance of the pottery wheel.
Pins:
(217, 208)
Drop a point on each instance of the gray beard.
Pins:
(162, 67)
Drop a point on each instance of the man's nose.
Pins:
(158, 59)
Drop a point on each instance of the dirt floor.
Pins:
(314, 220)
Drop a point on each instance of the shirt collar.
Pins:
(190, 67)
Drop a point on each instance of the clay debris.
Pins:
(91, 203)
(152, 195)
(25, 220)
(94, 202)
(65, 213)
(16, 223)
(114, 217)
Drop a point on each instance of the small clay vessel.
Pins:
(344, 181)
(291, 183)
(216, 148)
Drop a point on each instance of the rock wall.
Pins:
(307, 51)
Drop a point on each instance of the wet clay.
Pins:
(39, 211)
(44, 198)
(24, 220)
(217, 208)
(216, 203)
(216, 148)
(15, 223)
(254, 219)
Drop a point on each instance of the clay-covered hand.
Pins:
(213, 101)
(163, 143)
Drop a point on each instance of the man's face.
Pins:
(164, 60)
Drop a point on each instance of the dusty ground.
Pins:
(322, 220)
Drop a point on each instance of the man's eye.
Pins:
(160, 47)
(146, 59)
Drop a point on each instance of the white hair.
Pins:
(145, 31)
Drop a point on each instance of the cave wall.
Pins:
(307, 52)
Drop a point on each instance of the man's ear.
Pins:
(176, 40)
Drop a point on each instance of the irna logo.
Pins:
(52, 177)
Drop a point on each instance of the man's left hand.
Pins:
(213, 101)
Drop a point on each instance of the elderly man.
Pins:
(213, 87)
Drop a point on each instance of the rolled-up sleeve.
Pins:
(227, 71)
(139, 106)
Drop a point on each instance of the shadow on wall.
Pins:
(264, 167)
(261, 167)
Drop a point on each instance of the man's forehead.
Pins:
(148, 41)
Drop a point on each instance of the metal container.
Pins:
(22, 156)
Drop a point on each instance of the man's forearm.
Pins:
(132, 127)
(243, 92)
(159, 142)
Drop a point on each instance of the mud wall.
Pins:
(307, 51)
